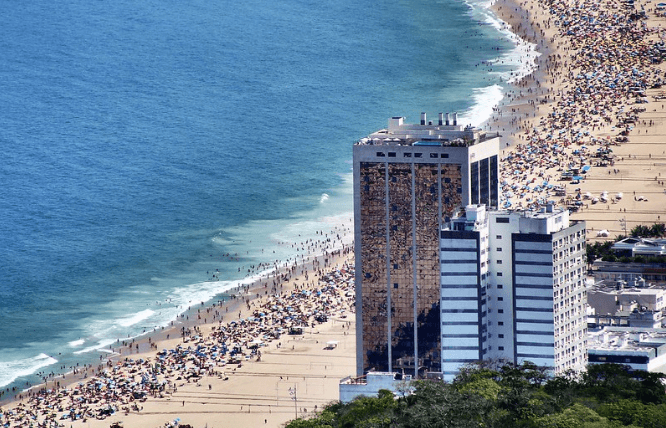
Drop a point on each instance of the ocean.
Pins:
(156, 153)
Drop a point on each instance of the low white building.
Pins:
(632, 247)
(640, 349)
(370, 384)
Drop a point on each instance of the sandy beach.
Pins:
(595, 101)
(593, 107)
(262, 358)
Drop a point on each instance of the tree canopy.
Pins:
(507, 395)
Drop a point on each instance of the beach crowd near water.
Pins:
(589, 119)
(590, 114)
(212, 342)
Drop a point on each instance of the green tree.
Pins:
(640, 231)
(658, 230)
(576, 416)
(366, 408)
(485, 387)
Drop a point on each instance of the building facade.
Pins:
(638, 348)
(409, 179)
(513, 288)
(464, 260)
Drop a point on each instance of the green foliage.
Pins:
(657, 230)
(486, 388)
(499, 395)
(634, 412)
(602, 250)
(366, 410)
(576, 416)
(598, 250)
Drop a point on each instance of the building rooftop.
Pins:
(446, 132)
(626, 339)
(637, 287)
(652, 247)
(473, 216)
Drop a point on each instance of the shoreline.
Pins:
(532, 119)
(518, 118)
(336, 239)
(231, 300)
(301, 277)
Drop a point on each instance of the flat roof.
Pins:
(626, 339)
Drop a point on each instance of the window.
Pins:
(500, 285)
(500, 323)
(444, 155)
(499, 249)
(501, 348)
(501, 336)
(501, 219)
(395, 285)
(498, 236)
(500, 299)
(391, 154)
(433, 155)
(407, 155)
(418, 155)
(499, 274)
(499, 262)
(395, 266)
(500, 311)
(381, 154)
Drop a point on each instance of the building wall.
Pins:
(402, 195)
(462, 303)
(500, 286)
(533, 299)
(570, 298)
(369, 386)
(529, 290)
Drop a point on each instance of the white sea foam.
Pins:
(75, 343)
(248, 244)
(521, 59)
(485, 99)
(11, 370)
(136, 318)
(194, 294)
(98, 347)
(510, 67)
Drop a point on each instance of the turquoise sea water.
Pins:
(149, 145)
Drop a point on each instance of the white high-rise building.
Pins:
(513, 288)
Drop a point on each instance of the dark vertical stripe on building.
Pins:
(414, 274)
(389, 332)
